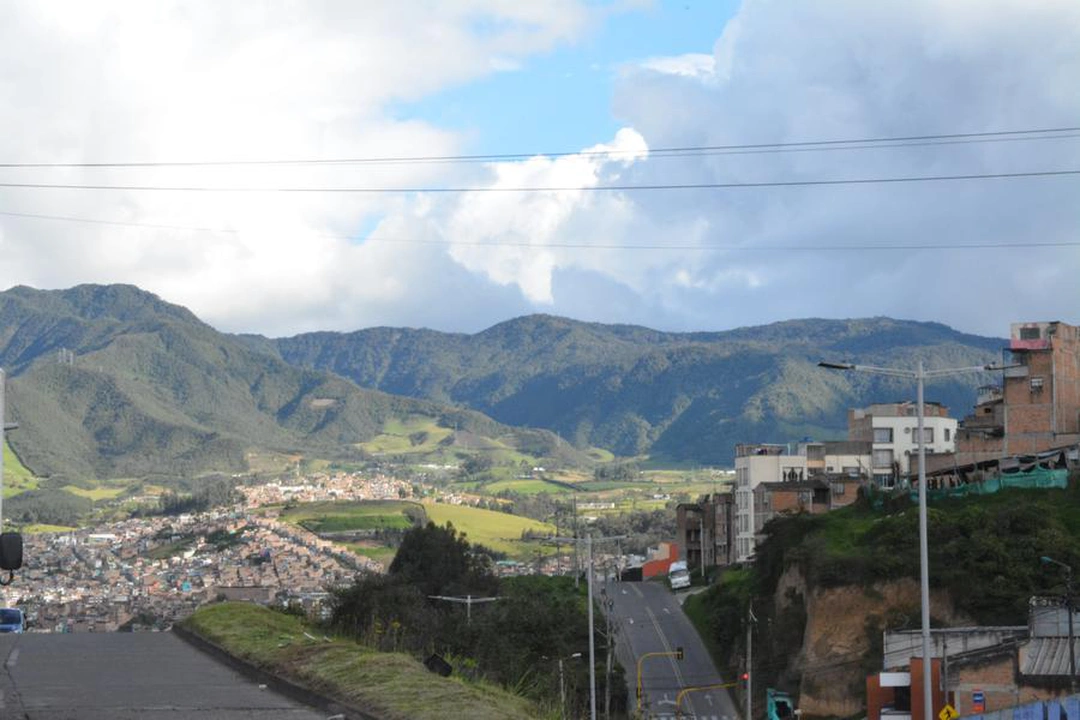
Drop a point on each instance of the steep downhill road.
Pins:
(650, 619)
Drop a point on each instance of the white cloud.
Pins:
(783, 73)
(192, 81)
(698, 66)
(155, 81)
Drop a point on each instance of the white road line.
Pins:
(12, 658)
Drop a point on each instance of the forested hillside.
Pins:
(110, 381)
(686, 397)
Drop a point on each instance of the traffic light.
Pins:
(745, 676)
(678, 653)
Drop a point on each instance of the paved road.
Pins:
(650, 619)
(124, 676)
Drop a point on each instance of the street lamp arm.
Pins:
(972, 368)
(891, 372)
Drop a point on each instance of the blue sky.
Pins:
(561, 100)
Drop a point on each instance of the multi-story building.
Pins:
(1037, 408)
(892, 429)
(762, 463)
(706, 530)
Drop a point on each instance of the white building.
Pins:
(761, 463)
(892, 428)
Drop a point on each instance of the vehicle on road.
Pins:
(679, 575)
(12, 620)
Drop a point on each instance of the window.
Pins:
(852, 471)
(1036, 383)
(1030, 333)
(838, 488)
(883, 435)
(882, 458)
(928, 434)
(947, 433)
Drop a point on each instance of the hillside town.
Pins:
(147, 573)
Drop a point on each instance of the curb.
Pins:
(283, 686)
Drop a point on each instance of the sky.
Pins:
(478, 160)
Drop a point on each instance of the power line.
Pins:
(552, 189)
(565, 245)
(691, 150)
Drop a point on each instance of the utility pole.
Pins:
(589, 579)
(920, 375)
(701, 542)
(592, 639)
(750, 620)
(3, 427)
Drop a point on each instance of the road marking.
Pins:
(12, 658)
(669, 612)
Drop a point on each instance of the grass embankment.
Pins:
(388, 685)
(984, 551)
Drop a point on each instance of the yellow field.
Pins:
(498, 531)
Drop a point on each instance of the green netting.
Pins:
(1039, 478)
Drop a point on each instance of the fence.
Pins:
(1062, 709)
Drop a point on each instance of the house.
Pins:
(1037, 408)
(977, 669)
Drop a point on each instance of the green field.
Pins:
(523, 487)
(391, 685)
(326, 517)
(414, 435)
(95, 494)
(17, 478)
(498, 531)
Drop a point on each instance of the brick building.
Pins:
(1037, 407)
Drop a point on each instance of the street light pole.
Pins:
(1069, 610)
(920, 375)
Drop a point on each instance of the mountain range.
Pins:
(111, 381)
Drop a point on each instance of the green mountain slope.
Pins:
(150, 390)
(682, 396)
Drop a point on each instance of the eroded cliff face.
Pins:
(843, 636)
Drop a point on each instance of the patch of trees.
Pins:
(617, 471)
(48, 506)
(513, 641)
(210, 494)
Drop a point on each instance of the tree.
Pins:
(440, 561)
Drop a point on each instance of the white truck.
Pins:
(678, 575)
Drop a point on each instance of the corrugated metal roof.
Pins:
(1047, 656)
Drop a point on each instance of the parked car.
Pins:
(12, 620)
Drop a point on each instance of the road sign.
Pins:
(978, 701)
(948, 713)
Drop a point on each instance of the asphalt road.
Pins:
(650, 619)
(124, 676)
